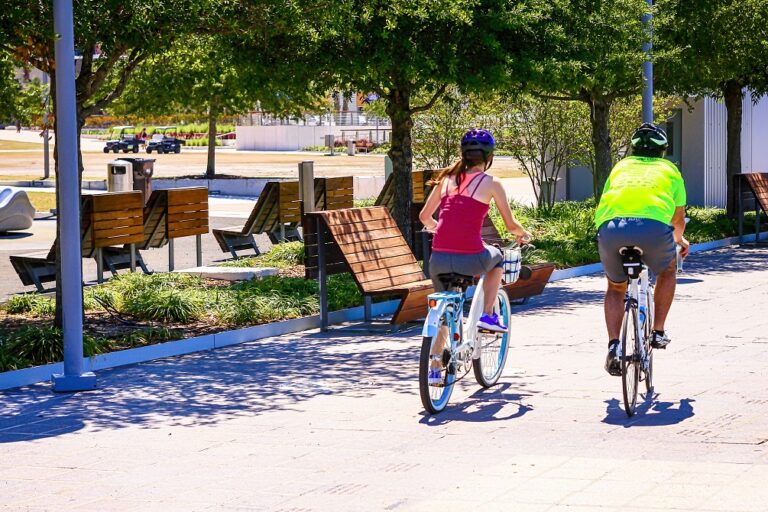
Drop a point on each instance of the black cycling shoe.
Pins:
(660, 340)
(612, 362)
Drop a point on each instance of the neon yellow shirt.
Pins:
(645, 188)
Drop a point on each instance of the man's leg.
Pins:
(614, 308)
(663, 296)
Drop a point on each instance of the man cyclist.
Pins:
(643, 204)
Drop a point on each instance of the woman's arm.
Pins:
(500, 198)
(427, 214)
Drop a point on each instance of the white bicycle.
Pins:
(464, 345)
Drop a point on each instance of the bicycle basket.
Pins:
(511, 264)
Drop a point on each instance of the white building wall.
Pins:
(704, 147)
(714, 153)
(281, 137)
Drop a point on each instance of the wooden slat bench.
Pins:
(106, 219)
(40, 267)
(187, 216)
(278, 210)
(367, 243)
(752, 191)
(118, 218)
(421, 191)
(155, 231)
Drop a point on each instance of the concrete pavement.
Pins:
(333, 422)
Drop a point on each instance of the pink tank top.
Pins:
(460, 223)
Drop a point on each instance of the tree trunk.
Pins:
(58, 320)
(210, 170)
(399, 111)
(601, 142)
(733, 95)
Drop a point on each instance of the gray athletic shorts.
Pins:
(655, 238)
(467, 264)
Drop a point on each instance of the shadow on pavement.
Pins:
(208, 387)
(491, 404)
(14, 236)
(649, 413)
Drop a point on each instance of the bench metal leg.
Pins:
(322, 277)
(741, 210)
(367, 304)
(35, 278)
(199, 244)
(170, 255)
(133, 257)
(99, 266)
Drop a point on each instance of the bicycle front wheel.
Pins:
(493, 347)
(434, 398)
(630, 359)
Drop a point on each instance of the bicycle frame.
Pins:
(451, 304)
(639, 287)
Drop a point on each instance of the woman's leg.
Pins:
(491, 285)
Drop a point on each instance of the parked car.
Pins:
(164, 143)
(124, 142)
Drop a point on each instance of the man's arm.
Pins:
(678, 223)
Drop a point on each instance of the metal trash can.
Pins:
(351, 148)
(143, 169)
(119, 176)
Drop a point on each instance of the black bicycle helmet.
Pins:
(478, 139)
(649, 137)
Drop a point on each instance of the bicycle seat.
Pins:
(453, 280)
(631, 259)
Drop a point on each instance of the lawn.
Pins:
(42, 201)
(12, 144)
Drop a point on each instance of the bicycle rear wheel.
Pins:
(630, 359)
(647, 341)
(435, 398)
(493, 347)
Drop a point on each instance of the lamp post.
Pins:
(648, 69)
(73, 378)
(46, 147)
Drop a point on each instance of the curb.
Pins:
(85, 185)
(593, 268)
(37, 374)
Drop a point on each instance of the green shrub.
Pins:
(315, 148)
(32, 304)
(148, 336)
(42, 345)
(363, 203)
(282, 255)
(168, 297)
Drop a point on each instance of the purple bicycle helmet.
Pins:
(478, 139)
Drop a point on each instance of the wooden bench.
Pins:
(106, 219)
(421, 191)
(155, 229)
(752, 192)
(367, 243)
(278, 210)
(187, 216)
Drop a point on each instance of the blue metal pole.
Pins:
(73, 378)
(648, 70)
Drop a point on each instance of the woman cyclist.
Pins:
(463, 193)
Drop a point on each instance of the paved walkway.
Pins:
(333, 422)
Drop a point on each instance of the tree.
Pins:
(112, 37)
(409, 52)
(9, 89)
(717, 48)
(591, 52)
(543, 138)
